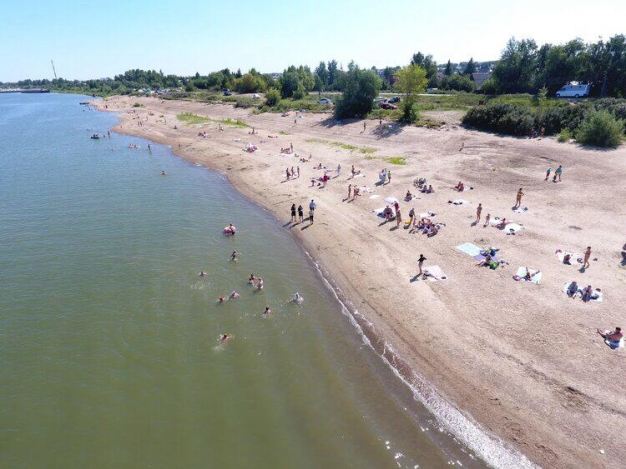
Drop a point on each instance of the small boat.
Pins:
(95, 136)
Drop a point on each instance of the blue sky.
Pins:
(90, 39)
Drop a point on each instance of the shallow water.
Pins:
(108, 337)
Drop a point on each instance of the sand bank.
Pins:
(523, 360)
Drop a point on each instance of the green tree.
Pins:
(333, 75)
(322, 73)
(516, 70)
(602, 129)
(448, 70)
(411, 81)
(360, 87)
(470, 67)
(272, 98)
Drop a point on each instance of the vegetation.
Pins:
(564, 136)
(411, 80)
(360, 87)
(398, 160)
(601, 129)
(192, 119)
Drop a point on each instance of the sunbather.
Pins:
(587, 293)
(408, 197)
(614, 336)
(572, 289)
(530, 276)
(460, 187)
(502, 224)
(485, 261)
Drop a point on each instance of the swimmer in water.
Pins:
(259, 284)
(224, 338)
(233, 295)
(267, 311)
(232, 229)
(202, 273)
(297, 298)
(221, 299)
(163, 173)
(251, 279)
(233, 256)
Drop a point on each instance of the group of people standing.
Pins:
(297, 213)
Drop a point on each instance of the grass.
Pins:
(398, 160)
(137, 105)
(345, 146)
(231, 123)
(284, 132)
(192, 119)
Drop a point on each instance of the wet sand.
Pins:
(522, 360)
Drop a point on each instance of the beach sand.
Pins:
(522, 360)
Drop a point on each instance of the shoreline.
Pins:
(444, 371)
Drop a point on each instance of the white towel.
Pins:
(535, 277)
(434, 273)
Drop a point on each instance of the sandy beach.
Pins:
(523, 360)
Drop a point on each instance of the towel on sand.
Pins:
(574, 258)
(434, 273)
(520, 209)
(470, 249)
(536, 277)
(375, 196)
(379, 211)
(513, 228)
(481, 258)
(428, 214)
(461, 202)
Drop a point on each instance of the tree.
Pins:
(333, 75)
(360, 87)
(411, 81)
(516, 69)
(470, 67)
(322, 73)
(448, 70)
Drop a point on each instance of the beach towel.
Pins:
(427, 214)
(434, 273)
(512, 228)
(461, 202)
(359, 175)
(613, 344)
(481, 258)
(379, 211)
(469, 249)
(597, 295)
(391, 200)
(536, 277)
(496, 221)
(375, 196)
(520, 209)
(574, 258)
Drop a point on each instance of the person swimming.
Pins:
(202, 273)
(251, 279)
(221, 299)
(297, 298)
(234, 294)
(234, 256)
(259, 284)
(267, 311)
(224, 338)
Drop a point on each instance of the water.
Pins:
(108, 337)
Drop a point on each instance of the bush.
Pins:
(564, 136)
(511, 119)
(272, 97)
(299, 94)
(601, 129)
(244, 102)
(556, 118)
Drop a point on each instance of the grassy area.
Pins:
(284, 132)
(345, 146)
(192, 119)
(398, 160)
(231, 122)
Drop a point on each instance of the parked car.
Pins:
(227, 92)
(573, 91)
(395, 99)
(324, 101)
(387, 105)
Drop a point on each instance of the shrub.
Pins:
(601, 129)
(564, 136)
(557, 118)
(511, 119)
(299, 94)
(244, 102)
(272, 97)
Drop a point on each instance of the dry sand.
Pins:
(521, 359)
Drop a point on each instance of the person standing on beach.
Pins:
(389, 177)
(301, 213)
(558, 172)
(487, 220)
(518, 199)
(293, 213)
(420, 262)
(312, 205)
(586, 263)
(291, 146)
(364, 125)
(353, 172)
(311, 216)
(398, 217)
(479, 210)
(548, 174)
(338, 170)
(298, 169)
(349, 191)
(288, 174)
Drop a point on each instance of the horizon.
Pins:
(203, 38)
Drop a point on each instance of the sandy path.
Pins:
(523, 360)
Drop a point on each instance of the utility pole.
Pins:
(55, 72)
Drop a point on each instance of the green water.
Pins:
(108, 337)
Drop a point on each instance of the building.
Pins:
(479, 78)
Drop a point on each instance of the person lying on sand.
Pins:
(485, 262)
(502, 224)
(530, 276)
(613, 336)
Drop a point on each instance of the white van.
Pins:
(573, 91)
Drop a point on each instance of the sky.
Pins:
(90, 39)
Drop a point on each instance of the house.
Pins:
(479, 78)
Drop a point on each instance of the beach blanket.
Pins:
(481, 258)
(428, 214)
(412, 198)
(520, 209)
(496, 221)
(379, 211)
(375, 196)
(469, 249)
(613, 344)
(536, 277)
(574, 258)
(434, 273)
(597, 295)
(512, 228)
(391, 200)
(461, 202)
(359, 175)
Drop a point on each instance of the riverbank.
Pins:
(521, 359)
